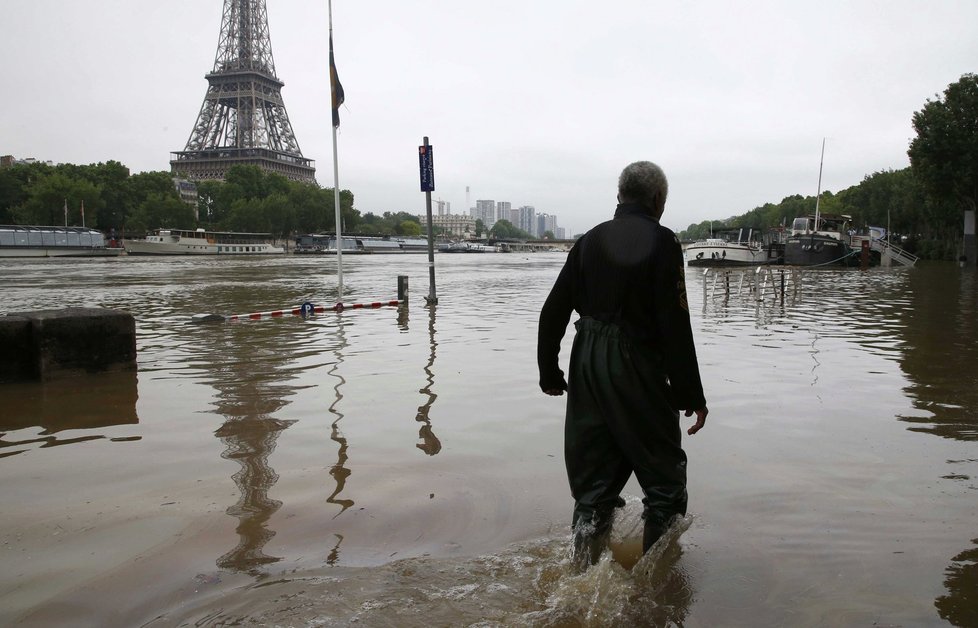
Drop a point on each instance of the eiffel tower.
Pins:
(243, 118)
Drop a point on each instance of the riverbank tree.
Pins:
(248, 200)
(922, 204)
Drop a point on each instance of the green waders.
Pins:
(619, 421)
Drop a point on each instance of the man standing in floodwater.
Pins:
(632, 367)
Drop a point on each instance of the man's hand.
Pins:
(554, 392)
(700, 419)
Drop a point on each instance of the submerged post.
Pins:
(427, 163)
(402, 287)
(970, 244)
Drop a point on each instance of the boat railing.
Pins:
(759, 284)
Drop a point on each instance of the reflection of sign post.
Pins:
(426, 160)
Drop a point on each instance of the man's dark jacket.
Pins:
(628, 271)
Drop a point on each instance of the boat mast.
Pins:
(818, 194)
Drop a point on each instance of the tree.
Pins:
(49, 195)
(479, 227)
(147, 184)
(505, 230)
(161, 211)
(944, 155)
(409, 228)
(208, 210)
(13, 193)
(117, 195)
(249, 179)
(549, 235)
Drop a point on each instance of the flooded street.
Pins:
(400, 467)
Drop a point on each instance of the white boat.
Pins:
(394, 244)
(466, 247)
(202, 242)
(35, 241)
(730, 247)
(325, 244)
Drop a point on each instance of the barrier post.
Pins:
(402, 287)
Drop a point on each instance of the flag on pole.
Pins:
(66, 212)
(335, 89)
(83, 212)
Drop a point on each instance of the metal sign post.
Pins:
(426, 161)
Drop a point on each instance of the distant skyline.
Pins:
(543, 101)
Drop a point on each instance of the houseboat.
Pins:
(729, 247)
(37, 241)
(202, 242)
(819, 240)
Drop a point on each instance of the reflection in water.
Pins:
(926, 319)
(250, 441)
(246, 367)
(942, 352)
(429, 442)
(960, 605)
(334, 554)
(339, 471)
(84, 402)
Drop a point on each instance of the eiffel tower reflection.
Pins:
(251, 389)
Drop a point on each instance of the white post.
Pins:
(336, 186)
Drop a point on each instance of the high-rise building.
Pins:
(545, 223)
(503, 209)
(526, 219)
(485, 210)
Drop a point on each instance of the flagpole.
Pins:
(336, 170)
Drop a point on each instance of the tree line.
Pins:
(923, 203)
(249, 199)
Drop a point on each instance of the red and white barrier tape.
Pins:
(316, 309)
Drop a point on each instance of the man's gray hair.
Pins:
(641, 182)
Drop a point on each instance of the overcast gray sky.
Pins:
(535, 102)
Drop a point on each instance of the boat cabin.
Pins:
(833, 225)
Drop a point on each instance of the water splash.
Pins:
(625, 587)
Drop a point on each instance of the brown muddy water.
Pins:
(401, 468)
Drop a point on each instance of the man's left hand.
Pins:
(700, 419)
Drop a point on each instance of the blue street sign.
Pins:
(426, 159)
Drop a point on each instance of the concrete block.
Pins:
(80, 340)
(16, 355)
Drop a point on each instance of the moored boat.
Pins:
(819, 240)
(394, 244)
(466, 247)
(38, 241)
(325, 244)
(202, 242)
(729, 247)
